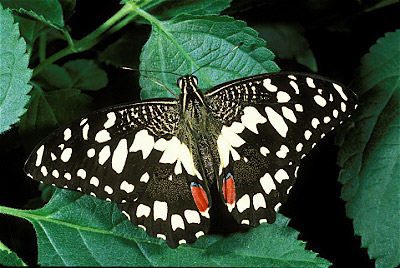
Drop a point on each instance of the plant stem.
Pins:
(87, 42)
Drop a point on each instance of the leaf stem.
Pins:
(90, 40)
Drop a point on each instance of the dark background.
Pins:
(339, 34)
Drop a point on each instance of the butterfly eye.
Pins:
(180, 82)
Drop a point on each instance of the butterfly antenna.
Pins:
(152, 71)
(233, 49)
(164, 86)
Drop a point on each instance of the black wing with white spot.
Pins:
(135, 155)
(270, 122)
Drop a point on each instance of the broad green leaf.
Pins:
(188, 42)
(30, 30)
(49, 110)
(86, 75)
(287, 41)
(164, 9)
(9, 258)
(46, 11)
(370, 153)
(14, 72)
(81, 230)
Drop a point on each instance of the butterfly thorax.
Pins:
(195, 115)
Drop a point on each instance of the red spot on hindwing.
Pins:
(228, 189)
(199, 196)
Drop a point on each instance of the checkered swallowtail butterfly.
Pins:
(157, 158)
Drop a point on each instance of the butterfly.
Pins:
(158, 158)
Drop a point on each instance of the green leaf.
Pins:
(287, 41)
(124, 51)
(30, 30)
(14, 72)
(49, 110)
(56, 76)
(81, 230)
(370, 153)
(9, 258)
(164, 10)
(86, 75)
(46, 11)
(187, 42)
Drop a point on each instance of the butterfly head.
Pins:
(188, 84)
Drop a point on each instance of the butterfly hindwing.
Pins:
(270, 122)
(137, 156)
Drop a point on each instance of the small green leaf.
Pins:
(46, 11)
(14, 72)
(57, 76)
(81, 230)
(287, 41)
(164, 10)
(86, 75)
(9, 258)
(49, 110)
(370, 153)
(188, 42)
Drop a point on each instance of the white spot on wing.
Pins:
(111, 120)
(264, 151)
(55, 173)
(127, 187)
(282, 97)
(94, 181)
(277, 121)
(39, 156)
(267, 84)
(91, 152)
(85, 132)
(192, 216)
(310, 82)
(108, 189)
(283, 151)
(340, 90)
(251, 118)
(119, 156)
(307, 134)
(143, 210)
(177, 222)
(315, 122)
(104, 154)
(289, 114)
(43, 169)
(243, 203)
(81, 173)
(294, 86)
(66, 154)
(281, 175)
(160, 210)
(143, 141)
(102, 136)
(259, 201)
(145, 177)
(67, 134)
(320, 100)
(267, 183)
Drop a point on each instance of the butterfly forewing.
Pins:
(270, 122)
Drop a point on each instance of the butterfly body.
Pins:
(158, 158)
